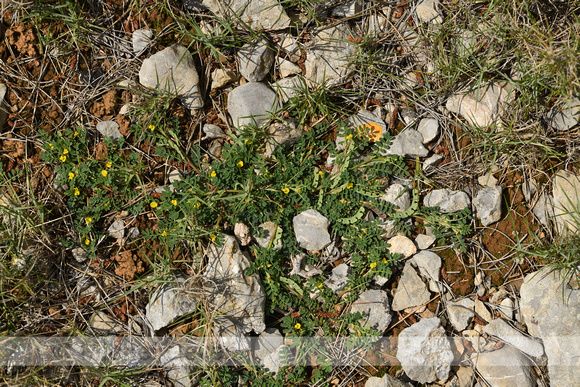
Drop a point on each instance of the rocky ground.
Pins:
(289, 193)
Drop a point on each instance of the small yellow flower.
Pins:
(373, 265)
(343, 201)
(71, 175)
(151, 127)
(286, 190)
(153, 204)
(104, 173)
(87, 242)
(196, 205)
(297, 326)
(51, 146)
(89, 220)
(349, 137)
(321, 173)
(269, 265)
(213, 174)
(77, 192)
(249, 142)
(213, 238)
(62, 158)
(349, 185)
(174, 202)
(240, 164)
(384, 260)
(65, 151)
(164, 233)
(76, 133)
(109, 164)
(299, 190)
(320, 285)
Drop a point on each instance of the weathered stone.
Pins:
(551, 313)
(287, 68)
(268, 342)
(288, 88)
(269, 230)
(251, 104)
(510, 335)
(347, 9)
(109, 129)
(428, 11)
(424, 241)
(221, 77)
(429, 265)
(488, 205)
(177, 366)
(398, 196)
(448, 201)
(465, 376)
(213, 131)
(487, 180)
(386, 381)
(565, 115)
(281, 133)
(364, 117)
(79, 254)
(237, 296)
(400, 244)
(481, 311)
(168, 303)
(431, 162)
(460, 313)
(429, 129)
(339, 278)
(505, 367)
(311, 230)
(375, 305)
(481, 107)
(141, 40)
(242, 233)
(566, 189)
(116, 229)
(3, 104)
(328, 54)
(255, 61)
(173, 70)
(408, 143)
(411, 291)
(506, 308)
(103, 322)
(425, 352)
(257, 14)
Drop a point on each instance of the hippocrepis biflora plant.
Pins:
(93, 184)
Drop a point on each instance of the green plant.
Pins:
(93, 185)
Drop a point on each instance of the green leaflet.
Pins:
(350, 220)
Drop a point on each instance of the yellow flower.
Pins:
(87, 242)
(174, 202)
(89, 220)
(213, 174)
(153, 204)
(51, 146)
(240, 164)
(349, 137)
(373, 265)
(77, 192)
(109, 164)
(65, 151)
(213, 238)
(76, 133)
(320, 285)
(298, 326)
(299, 190)
(196, 205)
(269, 265)
(71, 175)
(286, 190)
(343, 201)
(321, 173)
(349, 185)
(249, 142)
(104, 173)
(164, 233)
(384, 260)
(62, 158)
(151, 127)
